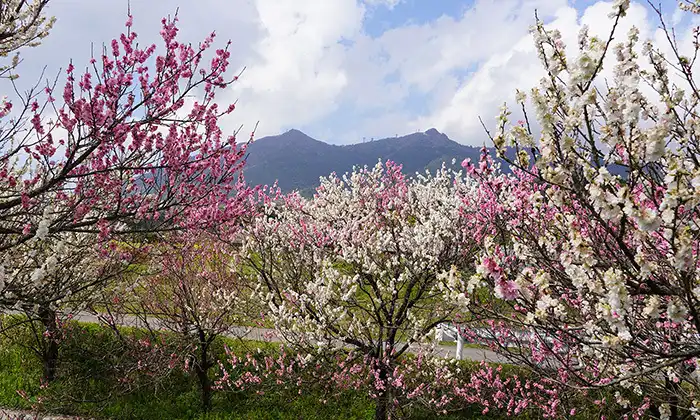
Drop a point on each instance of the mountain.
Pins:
(297, 160)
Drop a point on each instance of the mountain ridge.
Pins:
(297, 160)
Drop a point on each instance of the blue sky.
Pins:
(412, 11)
(341, 70)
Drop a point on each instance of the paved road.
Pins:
(265, 334)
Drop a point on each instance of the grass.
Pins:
(18, 371)
(177, 398)
(464, 345)
(88, 386)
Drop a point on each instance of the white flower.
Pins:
(651, 309)
(51, 263)
(43, 229)
(676, 312)
(664, 411)
(695, 182)
(647, 220)
(620, 6)
(656, 145)
(623, 333)
(38, 275)
(684, 255)
(543, 304)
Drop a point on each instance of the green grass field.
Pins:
(92, 361)
(86, 387)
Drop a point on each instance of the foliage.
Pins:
(90, 384)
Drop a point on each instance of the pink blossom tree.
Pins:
(591, 246)
(116, 156)
(191, 288)
(120, 156)
(417, 382)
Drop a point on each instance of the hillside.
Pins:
(297, 160)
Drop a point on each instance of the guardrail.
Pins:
(449, 332)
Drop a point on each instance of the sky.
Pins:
(344, 70)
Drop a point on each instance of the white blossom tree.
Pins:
(369, 263)
(593, 242)
(22, 24)
(61, 273)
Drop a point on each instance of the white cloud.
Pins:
(518, 67)
(490, 41)
(309, 60)
(298, 72)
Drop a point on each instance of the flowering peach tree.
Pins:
(77, 272)
(191, 288)
(115, 152)
(436, 385)
(591, 245)
(369, 263)
(22, 24)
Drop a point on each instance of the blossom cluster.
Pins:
(439, 385)
(354, 264)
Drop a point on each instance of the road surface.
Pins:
(265, 334)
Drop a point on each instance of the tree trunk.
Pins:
(204, 385)
(50, 348)
(381, 412)
(673, 400)
(202, 371)
(383, 407)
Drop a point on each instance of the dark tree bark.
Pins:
(49, 353)
(201, 367)
(383, 407)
